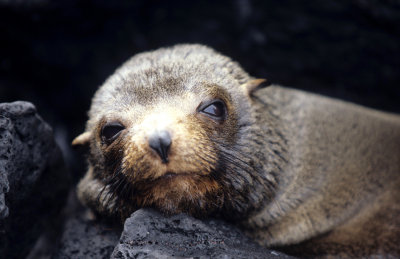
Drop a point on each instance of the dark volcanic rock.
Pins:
(86, 238)
(33, 178)
(148, 234)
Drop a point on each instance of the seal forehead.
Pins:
(189, 63)
(149, 77)
(149, 87)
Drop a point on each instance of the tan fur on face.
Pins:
(174, 194)
(185, 179)
(191, 151)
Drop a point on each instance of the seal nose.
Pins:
(160, 141)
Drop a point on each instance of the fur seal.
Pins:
(186, 129)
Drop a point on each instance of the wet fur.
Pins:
(304, 173)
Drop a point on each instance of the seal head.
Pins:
(173, 129)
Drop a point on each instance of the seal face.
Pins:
(171, 130)
(166, 157)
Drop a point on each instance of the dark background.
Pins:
(56, 53)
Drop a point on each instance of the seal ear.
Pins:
(255, 84)
(82, 140)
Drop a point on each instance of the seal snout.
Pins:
(160, 141)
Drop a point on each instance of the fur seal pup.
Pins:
(186, 129)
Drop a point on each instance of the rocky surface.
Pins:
(84, 237)
(33, 178)
(147, 234)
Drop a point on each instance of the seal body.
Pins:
(341, 185)
(185, 129)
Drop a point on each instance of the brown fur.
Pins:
(301, 172)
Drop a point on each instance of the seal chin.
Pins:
(179, 182)
(174, 193)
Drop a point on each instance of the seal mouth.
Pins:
(169, 175)
(173, 175)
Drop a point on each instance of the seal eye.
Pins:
(111, 131)
(215, 110)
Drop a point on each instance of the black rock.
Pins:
(148, 234)
(33, 178)
(87, 238)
